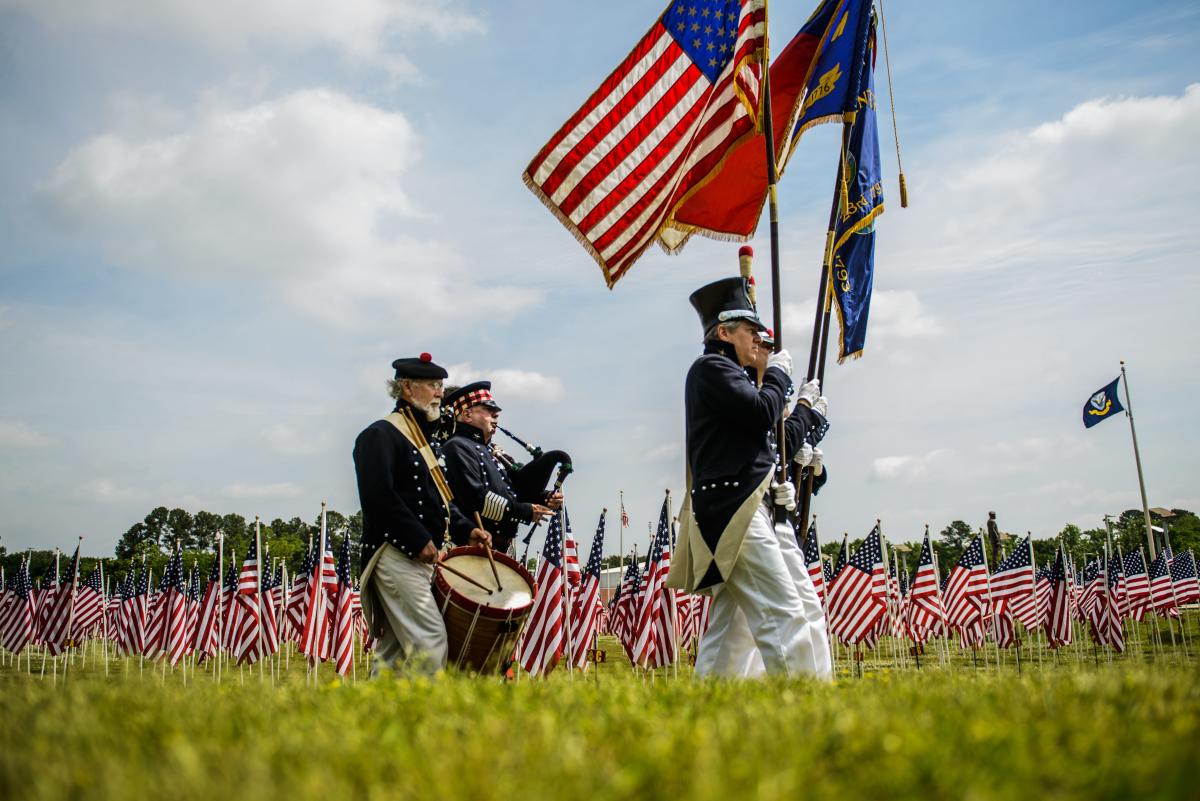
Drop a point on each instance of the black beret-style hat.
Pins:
(419, 367)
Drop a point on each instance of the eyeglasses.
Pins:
(432, 383)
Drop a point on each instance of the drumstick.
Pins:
(463, 576)
(491, 559)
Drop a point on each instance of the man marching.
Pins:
(484, 480)
(408, 512)
(764, 604)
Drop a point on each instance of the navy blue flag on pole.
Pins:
(854, 234)
(1102, 405)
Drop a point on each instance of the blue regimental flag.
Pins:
(1102, 405)
(853, 263)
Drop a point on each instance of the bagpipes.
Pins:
(564, 469)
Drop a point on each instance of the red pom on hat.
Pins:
(425, 357)
(745, 250)
(751, 280)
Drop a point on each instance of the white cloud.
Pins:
(510, 383)
(909, 469)
(304, 194)
(895, 314)
(279, 490)
(362, 30)
(19, 434)
(1108, 182)
(289, 441)
(665, 453)
(103, 490)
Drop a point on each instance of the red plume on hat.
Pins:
(425, 357)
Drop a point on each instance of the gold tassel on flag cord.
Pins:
(887, 62)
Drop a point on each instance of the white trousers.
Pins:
(414, 634)
(766, 617)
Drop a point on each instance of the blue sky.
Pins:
(222, 223)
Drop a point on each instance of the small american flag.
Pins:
(247, 634)
(858, 597)
(56, 633)
(1162, 595)
(624, 606)
(1184, 579)
(574, 576)
(16, 629)
(658, 126)
(174, 605)
(208, 631)
(585, 617)
(541, 643)
(968, 584)
(926, 615)
(297, 606)
(343, 629)
(1058, 630)
(318, 620)
(1013, 577)
(655, 639)
(1137, 584)
(89, 606)
(812, 557)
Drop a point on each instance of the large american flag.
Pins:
(658, 127)
(542, 641)
(967, 586)
(585, 616)
(858, 596)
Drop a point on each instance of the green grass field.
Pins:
(1076, 728)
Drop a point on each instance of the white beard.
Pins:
(433, 411)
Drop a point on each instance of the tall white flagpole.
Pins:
(1137, 457)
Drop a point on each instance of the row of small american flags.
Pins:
(246, 617)
(652, 622)
(865, 598)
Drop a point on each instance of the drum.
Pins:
(482, 628)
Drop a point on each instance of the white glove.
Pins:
(817, 461)
(784, 495)
(821, 406)
(810, 392)
(781, 359)
(804, 456)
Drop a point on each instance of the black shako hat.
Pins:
(477, 394)
(419, 367)
(725, 301)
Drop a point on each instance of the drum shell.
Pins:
(480, 637)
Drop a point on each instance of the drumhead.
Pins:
(516, 592)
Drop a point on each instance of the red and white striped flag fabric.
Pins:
(1013, 576)
(624, 609)
(858, 596)
(268, 614)
(925, 611)
(1005, 631)
(1058, 628)
(207, 640)
(585, 616)
(297, 607)
(317, 632)
(968, 583)
(812, 558)
(174, 603)
(343, 629)
(541, 643)
(657, 128)
(1184, 581)
(16, 627)
(571, 555)
(1030, 610)
(1162, 594)
(1111, 629)
(246, 638)
(624, 515)
(1137, 584)
(89, 606)
(57, 630)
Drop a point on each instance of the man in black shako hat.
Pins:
(484, 479)
(408, 512)
(729, 545)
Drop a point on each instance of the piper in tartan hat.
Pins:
(487, 481)
(408, 511)
(729, 544)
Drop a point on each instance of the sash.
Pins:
(406, 424)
